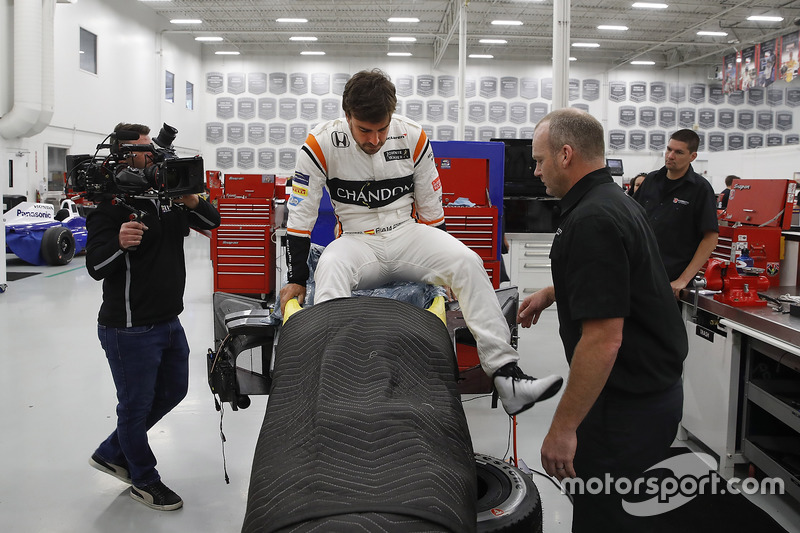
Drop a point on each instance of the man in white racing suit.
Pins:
(380, 172)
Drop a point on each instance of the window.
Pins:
(189, 95)
(56, 166)
(170, 87)
(88, 51)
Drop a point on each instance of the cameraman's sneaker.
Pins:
(157, 496)
(520, 392)
(119, 472)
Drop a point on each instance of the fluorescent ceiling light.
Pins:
(507, 22)
(713, 33)
(398, 54)
(403, 19)
(226, 53)
(573, 58)
(311, 53)
(650, 5)
(302, 38)
(186, 21)
(299, 21)
(614, 28)
(765, 18)
(403, 39)
(208, 39)
(586, 45)
(643, 62)
(481, 56)
(493, 41)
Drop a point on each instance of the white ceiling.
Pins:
(353, 28)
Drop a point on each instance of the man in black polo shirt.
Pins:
(622, 332)
(681, 206)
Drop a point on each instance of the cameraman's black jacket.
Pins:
(144, 286)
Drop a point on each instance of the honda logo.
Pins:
(340, 139)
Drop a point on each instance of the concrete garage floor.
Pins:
(58, 404)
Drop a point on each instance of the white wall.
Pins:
(133, 54)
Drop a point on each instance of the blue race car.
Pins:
(39, 235)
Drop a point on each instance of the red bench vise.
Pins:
(738, 289)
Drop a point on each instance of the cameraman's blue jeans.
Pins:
(150, 367)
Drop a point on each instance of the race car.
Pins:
(39, 235)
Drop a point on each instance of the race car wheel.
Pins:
(58, 246)
(508, 500)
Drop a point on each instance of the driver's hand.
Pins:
(289, 291)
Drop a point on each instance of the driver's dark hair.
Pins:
(369, 96)
(141, 129)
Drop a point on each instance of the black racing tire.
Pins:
(58, 246)
(508, 500)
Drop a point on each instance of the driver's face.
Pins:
(369, 136)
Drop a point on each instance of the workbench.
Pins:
(742, 385)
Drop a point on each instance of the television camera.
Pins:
(96, 177)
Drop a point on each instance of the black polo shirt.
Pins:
(680, 212)
(606, 264)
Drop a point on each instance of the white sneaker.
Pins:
(519, 392)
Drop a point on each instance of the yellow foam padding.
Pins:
(437, 308)
(292, 306)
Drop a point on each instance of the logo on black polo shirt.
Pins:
(679, 201)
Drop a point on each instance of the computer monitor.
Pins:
(518, 178)
(615, 167)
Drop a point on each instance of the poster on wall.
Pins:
(789, 59)
(697, 93)
(509, 86)
(236, 82)
(617, 91)
(715, 94)
(446, 86)
(748, 69)
(730, 72)
(767, 62)
(755, 96)
(529, 88)
(257, 82)
(215, 82)
(320, 83)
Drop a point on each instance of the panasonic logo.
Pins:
(33, 214)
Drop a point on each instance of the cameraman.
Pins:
(141, 263)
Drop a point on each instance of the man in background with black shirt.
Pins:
(682, 209)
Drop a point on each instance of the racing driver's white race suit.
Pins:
(388, 206)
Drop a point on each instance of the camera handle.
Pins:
(135, 216)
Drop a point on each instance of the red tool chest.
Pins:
(474, 226)
(757, 213)
(242, 247)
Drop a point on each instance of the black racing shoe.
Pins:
(157, 496)
(119, 472)
(519, 392)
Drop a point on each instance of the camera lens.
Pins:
(166, 136)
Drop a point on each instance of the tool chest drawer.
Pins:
(474, 226)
